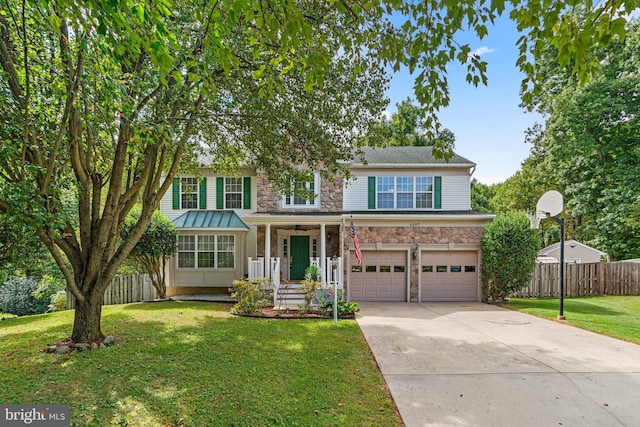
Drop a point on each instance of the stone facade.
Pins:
(332, 247)
(270, 200)
(415, 236)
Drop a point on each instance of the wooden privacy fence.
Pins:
(601, 278)
(123, 290)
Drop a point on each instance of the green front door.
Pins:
(299, 257)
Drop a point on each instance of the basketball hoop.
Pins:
(534, 220)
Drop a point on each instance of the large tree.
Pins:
(591, 146)
(101, 101)
(407, 127)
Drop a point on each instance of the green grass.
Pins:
(616, 316)
(194, 364)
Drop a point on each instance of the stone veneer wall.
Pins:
(332, 246)
(270, 200)
(415, 236)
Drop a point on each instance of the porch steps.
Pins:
(288, 295)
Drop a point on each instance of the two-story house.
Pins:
(411, 213)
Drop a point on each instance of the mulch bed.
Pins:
(273, 313)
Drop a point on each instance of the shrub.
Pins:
(309, 285)
(509, 249)
(58, 301)
(17, 297)
(22, 296)
(47, 288)
(252, 295)
(344, 307)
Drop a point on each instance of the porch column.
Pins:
(323, 252)
(267, 250)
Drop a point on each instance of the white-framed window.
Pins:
(233, 193)
(206, 251)
(186, 251)
(188, 193)
(404, 192)
(298, 201)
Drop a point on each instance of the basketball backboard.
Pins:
(550, 204)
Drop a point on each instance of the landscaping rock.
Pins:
(51, 349)
(102, 345)
(82, 346)
(109, 341)
(63, 349)
(94, 346)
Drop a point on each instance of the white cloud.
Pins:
(482, 50)
(387, 114)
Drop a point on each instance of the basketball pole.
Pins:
(561, 222)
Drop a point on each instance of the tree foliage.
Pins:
(158, 243)
(100, 102)
(406, 127)
(509, 250)
(21, 252)
(481, 196)
(590, 147)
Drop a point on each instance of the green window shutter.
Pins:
(246, 189)
(437, 189)
(176, 193)
(372, 192)
(219, 193)
(202, 197)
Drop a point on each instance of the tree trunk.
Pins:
(86, 322)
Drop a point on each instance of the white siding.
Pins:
(455, 187)
(456, 193)
(355, 193)
(166, 203)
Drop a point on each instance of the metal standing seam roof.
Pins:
(210, 219)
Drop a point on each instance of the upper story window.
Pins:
(233, 193)
(298, 200)
(189, 193)
(404, 192)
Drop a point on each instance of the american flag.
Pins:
(356, 244)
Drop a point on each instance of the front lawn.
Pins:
(194, 364)
(616, 316)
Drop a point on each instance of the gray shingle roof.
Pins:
(210, 219)
(406, 156)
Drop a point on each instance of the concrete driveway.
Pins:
(472, 364)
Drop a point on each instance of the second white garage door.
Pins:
(381, 277)
(449, 276)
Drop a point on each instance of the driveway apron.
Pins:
(473, 364)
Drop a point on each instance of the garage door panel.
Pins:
(449, 276)
(381, 277)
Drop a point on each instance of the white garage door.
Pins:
(449, 276)
(381, 277)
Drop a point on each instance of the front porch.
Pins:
(285, 292)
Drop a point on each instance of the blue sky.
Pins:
(488, 123)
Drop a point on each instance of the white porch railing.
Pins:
(256, 267)
(275, 271)
(334, 275)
